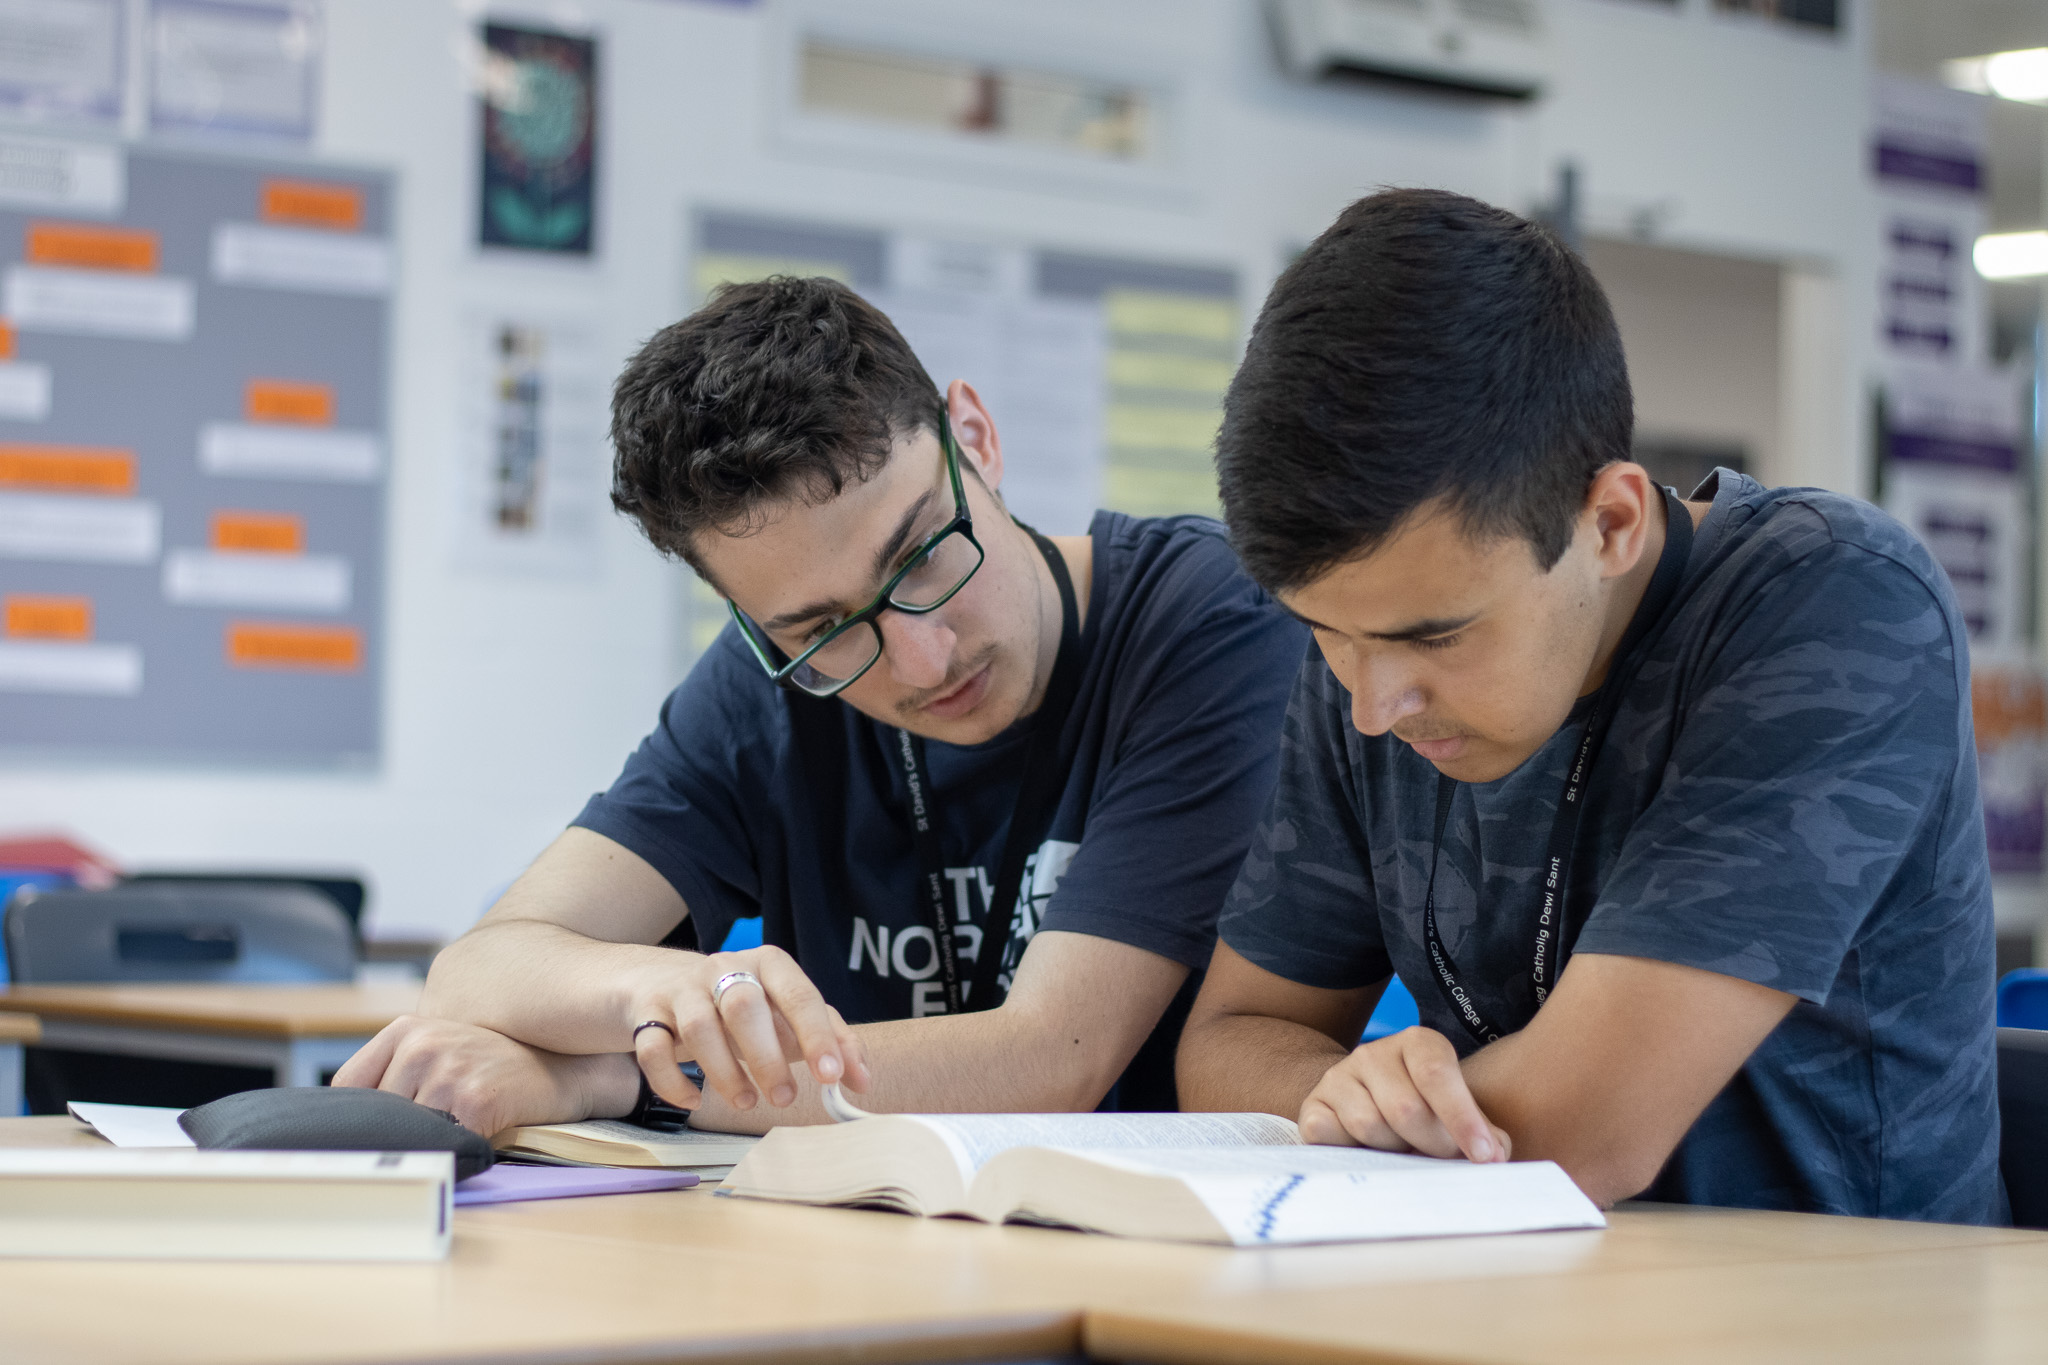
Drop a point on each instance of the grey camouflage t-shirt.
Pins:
(1788, 795)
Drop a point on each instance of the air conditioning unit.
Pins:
(1488, 47)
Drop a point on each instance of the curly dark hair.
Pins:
(1427, 346)
(782, 388)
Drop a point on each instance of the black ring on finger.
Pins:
(654, 1023)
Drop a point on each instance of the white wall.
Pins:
(508, 701)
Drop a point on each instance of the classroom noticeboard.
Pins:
(192, 463)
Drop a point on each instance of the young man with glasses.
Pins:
(987, 789)
(1666, 811)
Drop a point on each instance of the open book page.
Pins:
(974, 1138)
(1272, 1196)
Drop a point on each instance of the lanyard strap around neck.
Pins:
(1037, 796)
(1547, 962)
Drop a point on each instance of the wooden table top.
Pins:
(690, 1276)
(20, 1028)
(342, 1010)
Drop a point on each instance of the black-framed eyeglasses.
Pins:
(840, 652)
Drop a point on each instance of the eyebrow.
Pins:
(885, 556)
(1418, 630)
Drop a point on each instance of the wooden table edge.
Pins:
(1114, 1334)
(309, 1025)
(1009, 1336)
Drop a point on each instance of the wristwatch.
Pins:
(652, 1111)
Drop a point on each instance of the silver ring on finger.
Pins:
(728, 981)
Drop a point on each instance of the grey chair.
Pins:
(2023, 1123)
(178, 931)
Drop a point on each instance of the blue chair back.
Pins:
(2023, 999)
(1395, 1011)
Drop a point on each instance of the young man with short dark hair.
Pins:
(1666, 811)
(986, 788)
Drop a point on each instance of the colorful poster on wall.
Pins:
(537, 474)
(538, 185)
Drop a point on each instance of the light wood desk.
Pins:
(688, 1276)
(299, 1032)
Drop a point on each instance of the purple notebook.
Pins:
(504, 1184)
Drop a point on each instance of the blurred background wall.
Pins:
(1711, 157)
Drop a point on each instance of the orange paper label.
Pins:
(322, 649)
(67, 469)
(273, 533)
(287, 400)
(49, 618)
(6, 340)
(90, 247)
(313, 204)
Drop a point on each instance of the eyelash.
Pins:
(1436, 642)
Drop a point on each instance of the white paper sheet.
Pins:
(245, 68)
(112, 303)
(301, 258)
(281, 582)
(61, 59)
(73, 177)
(280, 452)
(24, 390)
(133, 1125)
(90, 530)
(82, 668)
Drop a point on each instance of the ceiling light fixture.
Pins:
(2021, 75)
(2011, 255)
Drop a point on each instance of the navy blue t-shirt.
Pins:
(752, 798)
(1788, 795)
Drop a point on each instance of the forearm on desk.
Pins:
(539, 983)
(1251, 1063)
(1079, 1010)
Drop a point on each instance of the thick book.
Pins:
(1231, 1179)
(610, 1142)
(168, 1204)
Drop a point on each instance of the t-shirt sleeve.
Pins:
(1825, 733)
(1170, 818)
(677, 802)
(1303, 905)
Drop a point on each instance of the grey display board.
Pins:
(192, 516)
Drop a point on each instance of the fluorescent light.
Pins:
(2011, 255)
(2021, 75)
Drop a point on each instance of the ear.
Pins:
(974, 431)
(1623, 508)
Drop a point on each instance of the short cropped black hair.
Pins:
(784, 388)
(1426, 347)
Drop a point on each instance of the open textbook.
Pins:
(610, 1142)
(1235, 1179)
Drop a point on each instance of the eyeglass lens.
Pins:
(930, 581)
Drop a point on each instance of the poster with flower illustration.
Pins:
(539, 135)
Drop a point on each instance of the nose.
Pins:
(917, 650)
(1382, 694)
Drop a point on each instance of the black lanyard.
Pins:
(1037, 794)
(1564, 830)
